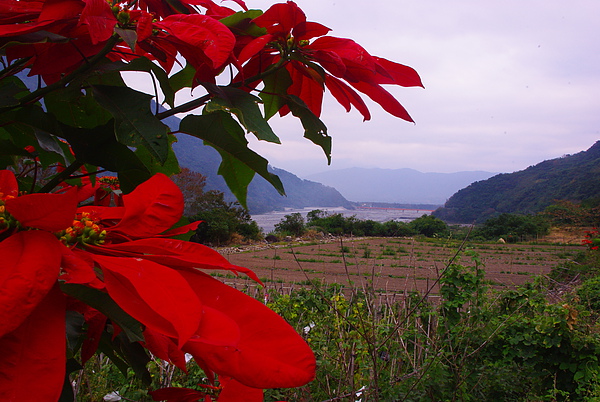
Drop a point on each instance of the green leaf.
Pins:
(70, 106)
(129, 36)
(222, 132)
(314, 129)
(275, 91)
(183, 78)
(245, 107)
(102, 302)
(134, 122)
(240, 23)
(10, 87)
(169, 167)
(99, 147)
(237, 176)
(143, 64)
(35, 37)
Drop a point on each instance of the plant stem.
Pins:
(62, 176)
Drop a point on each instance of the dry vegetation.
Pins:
(391, 266)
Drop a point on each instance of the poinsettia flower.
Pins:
(153, 278)
(86, 26)
(327, 62)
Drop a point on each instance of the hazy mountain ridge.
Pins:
(572, 177)
(262, 197)
(406, 186)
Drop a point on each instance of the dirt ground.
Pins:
(392, 266)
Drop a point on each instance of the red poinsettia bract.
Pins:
(126, 252)
(76, 30)
(326, 62)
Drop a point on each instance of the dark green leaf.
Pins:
(169, 167)
(128, 35)
(275, 90)
(48, 142)
(222, 132)
(245, 107)
(240, 23)
(314, 129)
(10, 87)
(183, 78)
(99, 147)
(8, 148)
(143, 64)
(136, 356)
(75, 332)
(134, 122)
(102, 302)
(107, 347)
(72, 107)
(237, 176)
(35, 37)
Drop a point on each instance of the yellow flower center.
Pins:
(84, 230)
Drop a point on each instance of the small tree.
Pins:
(292, 224)
(430, 226)
(221, 219)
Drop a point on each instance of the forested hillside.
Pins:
(571, 177)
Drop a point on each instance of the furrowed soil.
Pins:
(390, 266)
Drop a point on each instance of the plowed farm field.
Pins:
(390, 266)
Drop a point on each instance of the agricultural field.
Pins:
(392, 266)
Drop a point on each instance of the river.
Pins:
(267, 221)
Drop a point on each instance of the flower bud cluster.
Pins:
(6, 219)
(85, 230)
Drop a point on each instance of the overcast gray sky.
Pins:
(508, 84)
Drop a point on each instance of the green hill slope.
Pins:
(572, 177)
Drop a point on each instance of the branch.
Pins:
(62, 176)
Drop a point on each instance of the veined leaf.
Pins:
(245, 107)
(10, 87)
(134, 122)
(169, 167)
(143, 64)
(222, 132)
(183, 78)
(70, 106)
(240, 23)
(314, 129)
(237, 176)
(99, 147)
(275, 90)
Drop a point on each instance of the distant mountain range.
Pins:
(572, 177)
(406, 186)
(262, 197)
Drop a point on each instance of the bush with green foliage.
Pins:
(513, 227)
(221, 219)
(339, 224)
(292, 224)
(430, 226)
